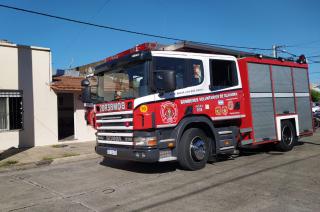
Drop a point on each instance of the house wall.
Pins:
(45, 100)
(29, 69)
(8, 80)
(83, 132)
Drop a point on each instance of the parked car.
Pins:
(315, 107)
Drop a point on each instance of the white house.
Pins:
(29, 107)
(71, 113)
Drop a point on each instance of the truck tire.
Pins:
(288, 137)
(193, 149)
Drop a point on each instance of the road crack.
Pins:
(57, 195)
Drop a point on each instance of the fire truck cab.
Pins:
(190, 102)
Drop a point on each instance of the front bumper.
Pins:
(142, 155)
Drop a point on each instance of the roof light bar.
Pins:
(137, 48)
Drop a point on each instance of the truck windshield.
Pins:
(124, 82)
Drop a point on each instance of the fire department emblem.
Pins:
(224, 110)
(230, 105)
(218, 110)
(169, 112)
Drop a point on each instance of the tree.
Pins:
(315, 95)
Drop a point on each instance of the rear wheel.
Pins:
(288, 137)
(193, 149)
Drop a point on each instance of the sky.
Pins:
(291, 23)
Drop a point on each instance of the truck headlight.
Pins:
(145, 141)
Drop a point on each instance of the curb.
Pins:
(74, 158)
(19, 167)
(56, 161)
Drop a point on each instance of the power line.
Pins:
(101, 8)
(84, 29)
(231, 46)
(314, 56)
(87, 23)
(124, 30)
(289, 53)
(314, 61)
(308, 57)
(296, 56)
(302, 44)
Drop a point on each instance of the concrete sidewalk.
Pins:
(23, 158)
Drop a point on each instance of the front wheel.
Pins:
(193, 149)
(288, 137)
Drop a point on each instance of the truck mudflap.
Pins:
(123, 153)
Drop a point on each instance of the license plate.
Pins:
(113, 138)
(112, 152)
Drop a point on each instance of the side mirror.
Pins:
(165, 81)
(86, 91)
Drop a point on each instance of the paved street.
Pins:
(260, 181)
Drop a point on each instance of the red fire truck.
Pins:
(191, 102)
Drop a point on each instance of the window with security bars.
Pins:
(11, 110)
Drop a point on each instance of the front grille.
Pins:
(114, 131)
(115, 128)
(114, 117)
(115, 146)
(115, 124)
(115, 138)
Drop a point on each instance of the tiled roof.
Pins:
(68, 83)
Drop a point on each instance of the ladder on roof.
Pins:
(187, 46)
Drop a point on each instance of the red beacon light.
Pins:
(137, 48)
(302, 59)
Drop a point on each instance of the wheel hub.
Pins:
(287, 135)
(198, 149)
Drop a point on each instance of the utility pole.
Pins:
(274, 51)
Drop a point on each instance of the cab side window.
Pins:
(176, 64)
(189, 72)
(223, 74)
